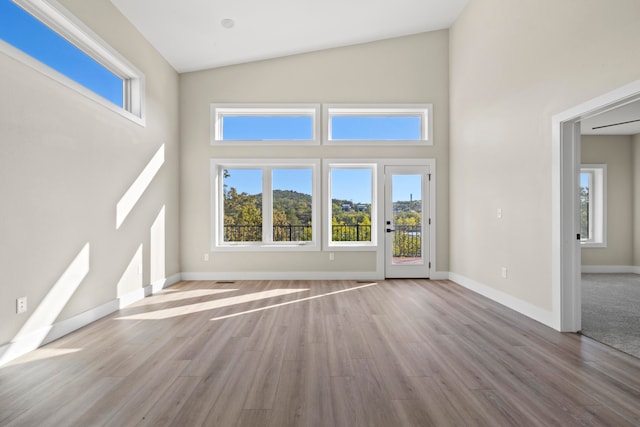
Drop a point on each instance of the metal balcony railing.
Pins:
(407, 239)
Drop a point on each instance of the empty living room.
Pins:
(284, 213)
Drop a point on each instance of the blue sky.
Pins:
(270, 128)
(376, 127)
(250, 180)
(406, 187)
(267, 128)
(26, 33)
(584, 180)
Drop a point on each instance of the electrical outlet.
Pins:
(499, 213)
(205, 257)
(504, 272)
(21, 305)
(331, 256)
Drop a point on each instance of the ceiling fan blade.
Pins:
(615, 124)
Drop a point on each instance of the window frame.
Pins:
(424, 111)
(218, 110)
(597, 207)
(328, 243)
(55, 16)
(267, 166)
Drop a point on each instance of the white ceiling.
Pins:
(189, 35)
(627, 113)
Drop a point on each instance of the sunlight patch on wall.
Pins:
(37, 327)
(131, 279)
(133, 194)
(158, 248)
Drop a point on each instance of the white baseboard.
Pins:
(31, 341)
(611, 269)
(159, 285)
(315, 275)
(440, 275)
(288, 275)
(536, 313)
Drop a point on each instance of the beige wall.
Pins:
(65, 162)
(616, 153)
(635, 154)
(514, 64)
(404, 70)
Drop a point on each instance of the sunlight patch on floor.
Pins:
(255, 310)
(210, 305)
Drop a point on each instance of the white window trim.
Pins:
(217, 191)
(598, 206)
(328, 244)
(425, 111)
(59, 19)
(218, 110)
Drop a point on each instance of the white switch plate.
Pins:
(504, 272)
(21, 305)
(205, 257)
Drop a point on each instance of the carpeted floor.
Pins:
(611, 310)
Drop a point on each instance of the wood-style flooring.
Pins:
(320, 353)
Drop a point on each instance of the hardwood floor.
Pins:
(338, 353)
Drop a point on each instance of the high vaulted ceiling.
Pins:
(190, 34)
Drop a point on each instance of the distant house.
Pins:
(361, 208)
(346, 207)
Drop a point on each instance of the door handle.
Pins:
(390, 230)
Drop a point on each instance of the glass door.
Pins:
(407, 221)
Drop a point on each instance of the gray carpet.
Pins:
(611, 310)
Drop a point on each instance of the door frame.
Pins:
(407, 271)
(565, 248)
(432, 235)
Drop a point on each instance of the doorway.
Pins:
(566, 249)
(407, 221)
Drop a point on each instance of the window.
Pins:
(266, 124)
(265, 204)
(351, 204)
(50, 39)
(391, 124)
(593, 205)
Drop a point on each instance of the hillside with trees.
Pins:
(292, 219)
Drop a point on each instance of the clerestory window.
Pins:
(46, 36)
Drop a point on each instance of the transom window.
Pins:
(593, 205)
(265, 204)
(59, 45)
(390, 124)
(271, 124)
